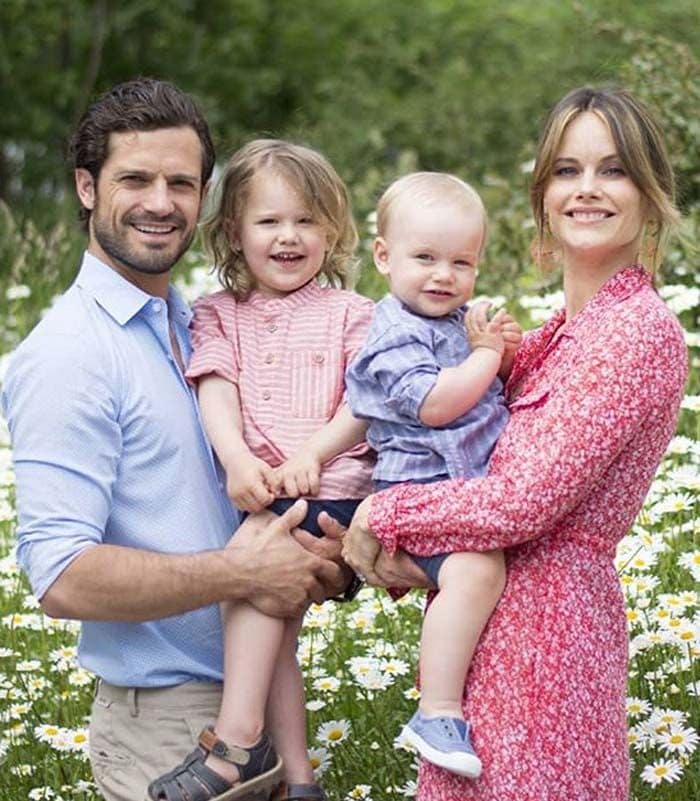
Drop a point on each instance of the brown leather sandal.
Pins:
(260, 769)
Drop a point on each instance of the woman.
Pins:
(594, 397)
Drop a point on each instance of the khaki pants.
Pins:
(138, 734)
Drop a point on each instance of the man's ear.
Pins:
(85, 187)
(381, 255)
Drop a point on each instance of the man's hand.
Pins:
(284, 576)
(249, 483)
(300, 475)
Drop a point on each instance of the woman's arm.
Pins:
(638, 369)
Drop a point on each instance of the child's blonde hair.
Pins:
(427, 187)
(317, 182)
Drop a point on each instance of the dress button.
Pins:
(266, 394)
(269, 358)
(318, 358)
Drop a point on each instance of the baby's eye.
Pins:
(424, 257)
(462, 264)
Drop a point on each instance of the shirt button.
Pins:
(269, 358)
(318, 358)
(266, 394)
(272, 328)
(156, 306)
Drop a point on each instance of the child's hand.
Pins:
(482, 332)
(300, 475)
(248, 483)
(512, 334)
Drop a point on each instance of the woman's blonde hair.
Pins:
(428, 187)
(640, 146)
(313, 177)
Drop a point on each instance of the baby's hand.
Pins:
(512, 334)
(482, 332)
(249, 482)
(300, 475)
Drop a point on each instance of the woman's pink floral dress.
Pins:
(594, 404)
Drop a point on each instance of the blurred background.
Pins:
(380, 86)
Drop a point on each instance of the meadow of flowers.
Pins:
(359, 658)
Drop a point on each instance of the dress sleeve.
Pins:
(214, 341)
(62, 408)
(573, 435)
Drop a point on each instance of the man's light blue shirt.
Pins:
(390, 378)
(108, 448)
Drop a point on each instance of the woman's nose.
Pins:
(587, 183)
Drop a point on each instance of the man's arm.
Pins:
(262, 563)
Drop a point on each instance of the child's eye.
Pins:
(306, 221)
(267, 221)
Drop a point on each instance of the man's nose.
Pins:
(158, 199)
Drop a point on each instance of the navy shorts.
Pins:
(341, 510)
(430, 565)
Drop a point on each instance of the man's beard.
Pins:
(141, 260)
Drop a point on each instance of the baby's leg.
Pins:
(286, 716)
(470, 585)
(252, 643)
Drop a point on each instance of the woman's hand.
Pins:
(361, 548)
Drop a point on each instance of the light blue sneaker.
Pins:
(444, 742)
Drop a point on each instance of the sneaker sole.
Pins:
(467, 765)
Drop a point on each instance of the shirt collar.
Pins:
(121, 299)
(305, 295)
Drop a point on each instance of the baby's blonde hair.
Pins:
(319, 185)
(427, 187)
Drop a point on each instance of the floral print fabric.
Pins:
(594, 402)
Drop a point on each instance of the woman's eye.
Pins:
(614, 170)
(565, 172)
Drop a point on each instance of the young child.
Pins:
(270, 353)
(435, 406)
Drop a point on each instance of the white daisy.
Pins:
(333, 732)
(667, 770)
(678, 740)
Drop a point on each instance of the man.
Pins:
(122, 514)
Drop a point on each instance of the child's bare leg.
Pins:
(286, 716)
(251, 645)
(470, 585)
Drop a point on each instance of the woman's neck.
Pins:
(583, 279)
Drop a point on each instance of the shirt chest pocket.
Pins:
(316, 383)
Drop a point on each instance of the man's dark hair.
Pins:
(143, 104)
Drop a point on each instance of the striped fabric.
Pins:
(288, 358)
(388, 382)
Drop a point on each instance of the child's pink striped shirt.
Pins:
(288, 358)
